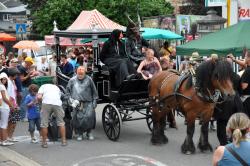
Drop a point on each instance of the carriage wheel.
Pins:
(111, 121)
(149, 119)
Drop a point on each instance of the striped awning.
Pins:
(93, 18)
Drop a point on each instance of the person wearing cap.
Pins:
(14, 116)
(194, 61)
(25, 77)
(5, 107)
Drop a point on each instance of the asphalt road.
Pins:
(132, 149)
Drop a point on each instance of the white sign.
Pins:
(209, 3)
(244, 10)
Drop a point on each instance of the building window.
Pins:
(6, 17)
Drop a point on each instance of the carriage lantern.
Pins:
(210, 23)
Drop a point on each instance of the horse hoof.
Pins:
(173, 125)
(188, 152)
(164, 139)
(187, 149)
(156, 141)
(205, 147)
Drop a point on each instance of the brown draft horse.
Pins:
(195, 96)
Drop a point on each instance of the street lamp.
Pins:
(95, 44)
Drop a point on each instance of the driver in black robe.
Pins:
(114, 56)
(135, 44)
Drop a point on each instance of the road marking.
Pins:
(119, 160)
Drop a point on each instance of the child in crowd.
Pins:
(33, 111)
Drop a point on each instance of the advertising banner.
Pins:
(162, 22)
(244, 10)
(184, 22)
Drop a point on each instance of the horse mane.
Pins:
(189, 83)
(212, 69)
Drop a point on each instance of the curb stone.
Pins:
(17, 158)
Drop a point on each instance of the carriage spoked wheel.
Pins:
(111, 121)
(149, 119)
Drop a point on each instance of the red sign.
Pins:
(244, 10)
(2, 49)
(244, 13)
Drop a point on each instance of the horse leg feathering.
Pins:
(203, 144)
(188, 145)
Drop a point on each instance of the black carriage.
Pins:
(130, 97)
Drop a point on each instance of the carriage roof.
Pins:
(84, 33)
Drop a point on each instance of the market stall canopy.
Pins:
(89, 19)
(27, 44)
(228, 40)
(7, 37)
(155, 33)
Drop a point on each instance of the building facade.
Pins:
(11, 13)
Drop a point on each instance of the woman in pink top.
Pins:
(149, 66)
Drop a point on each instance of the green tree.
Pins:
(64, 12)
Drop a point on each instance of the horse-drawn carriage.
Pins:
(130, 97)
(193, 95)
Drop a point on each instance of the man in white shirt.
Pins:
(50, 95)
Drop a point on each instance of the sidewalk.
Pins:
(9, 157)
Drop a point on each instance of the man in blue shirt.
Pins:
(66, 67)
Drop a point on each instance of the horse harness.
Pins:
(199, 91)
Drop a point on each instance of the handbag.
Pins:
(236, 156)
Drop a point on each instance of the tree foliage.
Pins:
(64, 12)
